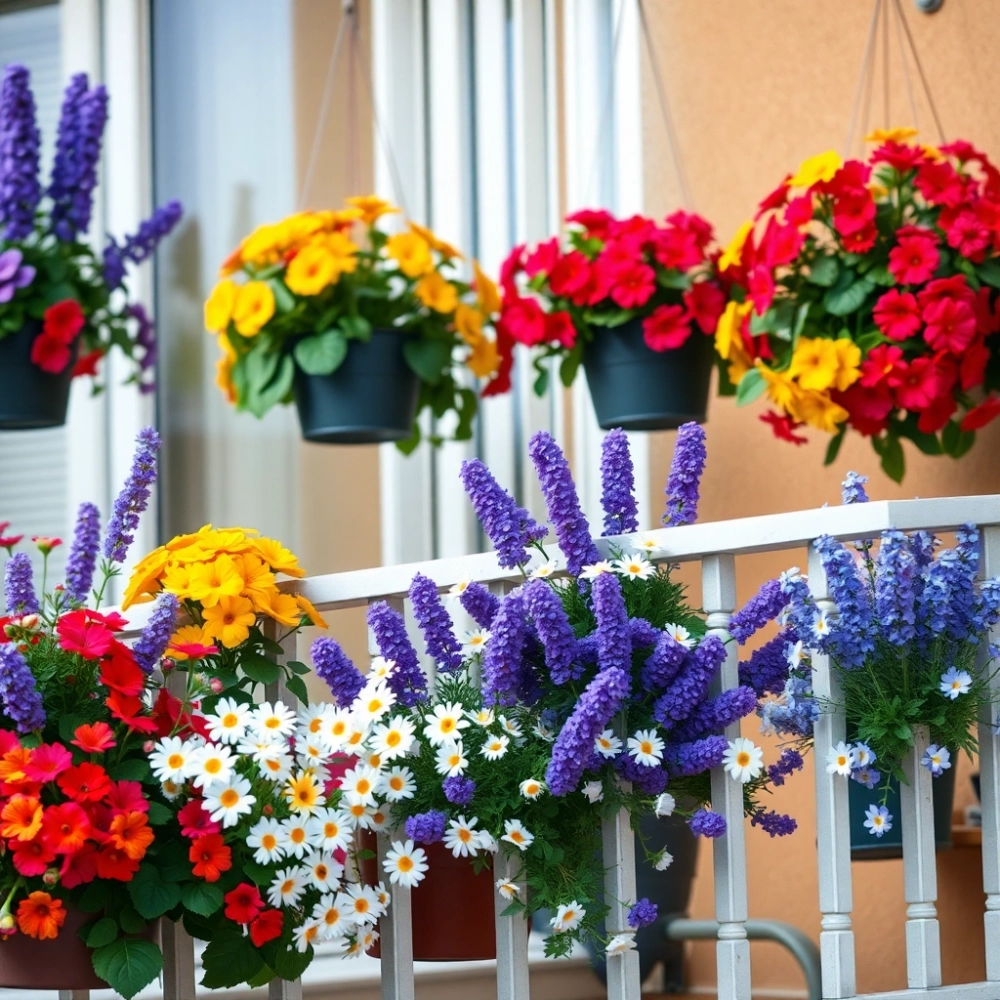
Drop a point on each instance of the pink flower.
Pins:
(761, 288)
(666, 328)
(914, 261)
(634, 285)
(570, 275)
(879, 365)
(543, 258)
(981, 415)
(950, 326)
(559, 329)
(916, 383)
(705, 302)
(897, 315)
(955, 289)
(937, 414)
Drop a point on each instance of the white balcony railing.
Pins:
(716, 547)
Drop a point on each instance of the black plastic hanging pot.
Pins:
(370, 399)
(31, 399)
(639, 389)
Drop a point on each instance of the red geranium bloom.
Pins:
(65, 828)
(210, 857)
(47, 762)
(634, 285)
(195, 821)
(972, 367)
(121, 673)
(49, 354)
(127, 796)
(511, 268)
(940, 184)
(127, 709)
(666, 328)
(761, 288)
(524, 320)
(860, 242)
(543, 258)
(79, 868)
(63, 321)
(896, 314)
(169, 718)
(695, 225)
(85, 783)
(87, 365)
(879, 364)
(775, 199)
(595, 221)
(559, 329)
(868, 407)
(113, 863)
(961, 150)
(266, 927)
(800, 210)
(899, 155)
(967, 234)
(937, 414)
(783, 427)
(780, 244)
(32, 857)
(981, 415)
(916, 383)
(570, 275)
(705, 302)
(112, 619)
(853, 211)
(243, 903)
(950, 326)
(94, 738)
(953, 289)
(914, 261)
(79, 634)
(987, 314)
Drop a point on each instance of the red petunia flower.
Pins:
(94, 738)
(171, 721)
(49, 354)
(112, 619)
(940, 184)
(127, 796)
(87, 364)
(79, 868)
(901, 156)
(678, 247)
(78, 634)
(896, 314)
(972, 366)
(705, 302)
(115, 864)
(121, 673)
(570, 275)
(634, 285)
(914, 261)
(65, 828)
(868, 407)
(512, 266)
(243, 903)
(127, 708)
(596, 222)
(761, 288)
(32, 857)
(210, 857)
(879, 365)
(543, 258)
(987, 315)
(777, 198)
(853, 212)
(799, 210)
(935, 416)
(9, 542)
(559, 329)
(915, 384)
(85, 783)
(266, 927)
(195, 821)
(783, 427)
(951, 326)
(47, 762)
(979, 416)
(953, 289)
(966, 232)
(524, 320)
(666, 328)
(63, 321)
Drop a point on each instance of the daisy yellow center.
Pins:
(454, 760)
(476, 640)
(339, 728)
(604, 743)
(743, 758)
(311, 932)
(332, 916)
(297, 835)
(394, 738)
(375, 760)
(331, 830)
(213, 765)
(517, 836)
(532, 789)
(170, 787)
(634, 567)
(646, 747)
(274, 765)
(405, 864)
(877, 820)
(287, 886)
(379, 818)
(447, 725)
(841, 761)
(315, 725)
(355, 739)
(269, 841)
(321, 872)
(363, 786)
(375, 704)
(396, 783)
(465, 835)
(496, 745)
(229, 720)
(361, 905)
(229, 798)
(175, 760)
(358, 810)
(569, 915)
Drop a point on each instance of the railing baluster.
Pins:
(833, 841)
(619, 894)
(74, 995)
(178, 961)
(512, 932)
(923, 936)
(989, 777)
(733, 948)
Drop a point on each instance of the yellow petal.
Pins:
(820, 167)
(734, 252)
(898, 134)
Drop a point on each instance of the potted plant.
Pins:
(632, 300)
(364, 330)
(59, 311)
(904, 641)
(863, 295)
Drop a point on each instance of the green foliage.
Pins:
(128, 965)
(230, 958)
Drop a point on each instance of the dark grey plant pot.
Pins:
(370, 399)
(30, 399)
(639, 389)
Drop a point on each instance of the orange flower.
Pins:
(210, 857)
(113, 863)
(94, 738)
(130, 833)
(65, 828)
(12, 765)
(40, 916)
(23, 816)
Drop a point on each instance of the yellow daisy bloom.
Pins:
(820, 167)
(372, 207)
(818, 410)
(437, 293)
(411, 252)
(468, 323)
(306, 607)
(219, 306)
(312, 269)
(815, 363)
(254, 307)
(486, 290)
(281, 607)
(280, 559)
(445, 249)
(257, 578)
(229, 621)
(484, 359)
(224, 369)
(304, 792)
(187, 635)
(849, 361)
(145, 577)
(211, 581)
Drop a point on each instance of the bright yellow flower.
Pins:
(212, 581)
(177, 579)
(781, 389)
(187, 635)
(303, 792)
(878, 190)
(280, 559)
(818, 410)
(254, 307)
(312, 269)
(733, 253)
(468, 323)
(257, 578)
(437, 293)
(232, 264)
(411, 252)
(899, 134)
(231, 540)
(933, 152)
(229, 621)
(224, 369)
(281, 607)
(179, 542)
(849, 361)
(484, 359)
(727, 332)
(815, 363)
(820, 167)
(145, 577)
(265, 244)
(219, 306)
(436, 243)
(371, 207)
(306, 607)
(486, 290)
(344, 218)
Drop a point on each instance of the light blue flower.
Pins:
(863, 756)
(955, 682)
(936, 759)
(867, 776)
(878, 820)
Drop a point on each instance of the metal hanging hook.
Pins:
(928, 6)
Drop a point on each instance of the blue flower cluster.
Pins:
(82, 560)
(618, 483)
(334, 667)
(152, 644)
(435, 623)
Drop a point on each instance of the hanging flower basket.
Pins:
(31, 398)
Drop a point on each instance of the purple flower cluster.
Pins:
(773, 823)
(694, 756)
(767, 669)
(83, 553)
(801, 608)
(502, 661)
(152, 644)
(895, 569)
(134, 497)
(794, 713)
(643, 913)
(663, 664)
(614, 639)
(13, 274)
(562, 503)
(644, 633)
(510, 528)
(852, 490)
(554, 631)
(22, 703)
(685, 476)
(20, 190)
(335, 668)
(141, 245)
(68, 147)
(389, 630)
(707, 824)
(762, 608)
(691, 685)
(621, 512)
(19, 586)
(481, 605)
(78, 155)
(426, 828)
(458, 790)
(574, 746)
(145, 340)
(853, 637)
(435, 623)
(715, 714)
(789, 762)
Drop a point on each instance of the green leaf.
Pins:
(989, 271)
(322, 354)
(569, 366)
(260, 875)
(131, 921)
(297, 686)
(955, 441)
(672, 278)
(151, 894)
(763, 324)
(229, 959)
(103, 932)
(95, 897)
(356, 328)
(429, 359)
(269, 378)
(751, 386)
(409, 445)
(833, 448)
(262, 978)
(893, 460)
(297, 667)
(881, 275)
(259, 668)
(541, 383)
(840, 302)
(284, 301)
(609, 319)
(68, 725)
(201, 898)
(159, 814)
(289, 964)
(135, 769)
(468, 405)
(823, 271)
(128, 965)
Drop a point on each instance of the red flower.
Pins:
(981, 415)
(634, 285)
(868, 407)
(127, 796)
(775, 199)
(78, 634)
(559, 329)
(524, 321)
(940, 184)
(127, 709)
(861, 241)
(63, 321)
(783, 427)
(899, 155)
(10, 541)
(243, 903)
(780, 244)
(87, 364)
(937, 414)
(543, 258)
(65, 828)
(85, 783)
(953, 289)
(47, 762)
(266, 927)
(950, 326)
(854, 212)
(916, 383)
(170, 720)
(210, 857)
(666, 328)
(761, 288)
(595, 222)
(800, 210)
(121, 673)
(112, 619)
(879, 364)
(32, 857)
(49, 354)
(705, 302)
(195, 821)
(914, 261)
(972, 366)
(695, 225)
(510, 269)
(896, 314)
(681, 244)
(570, 275)
(79, 868)
(967, 234)
(94, 738)
(987, 316)
(193, 650)
(113, 863)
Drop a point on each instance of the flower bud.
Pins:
(8, 925)
(148, 747)
(167, 664)
(216, 685)
(268, 809)
(51, 876)
(27, 621)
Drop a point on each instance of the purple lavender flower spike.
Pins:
(895, 569)
(389, 629)
(685, 476)
(694, 756)
(644, 912)
(510, 528)
(646, 780)
(562, 503)
(134, 497)
(644, 634)
(19, 587)
(707, 824)
(481, 605)
(71, 216)
(554, 631)
(20, 190)
(458, 790)
(614, 640)
(114, 264)
(334, 667)
(714, 715)
(152, 644)
(426, 828)
(435, 623)
(83, 553)
(145, 338)
(801, 609)
(66, 165)
(22, 703)
(767, 669)
(664, 663)
(502, 660)
(762, 608)
(853, 636)
(853, 489)
(789, 762)
(574, 746)
(142, 244)
(618, 483)
(13, 274)
(691, 685)
(776, 824)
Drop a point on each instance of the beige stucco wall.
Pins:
(756, 87)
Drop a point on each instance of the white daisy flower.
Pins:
(354, 744)
(796, 654)
(679, 634)
(451, 760)
(331, 915)
(373, 702)
(379, 817)
(405, 864)
(484, 717)
(665, 805)
(358, 785)
(509, 890)
(663, 861)
(358, 814)
(487, 842)
(272, 721)
(397, 784)
(475, 641)
(305, 935)
(382, 895)
(366, 940)
(211, 764)
(607, 744)
(531, 788)
(495, 747)
(821, 624)
(171, 789)
(229, 722)
(310, 721)
(171, 759)
(840, 759)
(594, 570)
(393, 739)
(380, 668)
(545, 570)
(743, 760)
(648, 544)
(267, 837)
(462, 837)
(594, 791)
(516, 834)
(459, 588)
(635, 567)
(311, 753)
(287, 887)
(620, 943)
(646, 747)
(509, 726)
(336, 727)
(329, 829)
(260, 750)
(230, 801)
(277, 768)
(568, 917)
(543, 731)
(955, 682)
(323, 871)
(297, 839)
(863, 756)
(445, 723)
